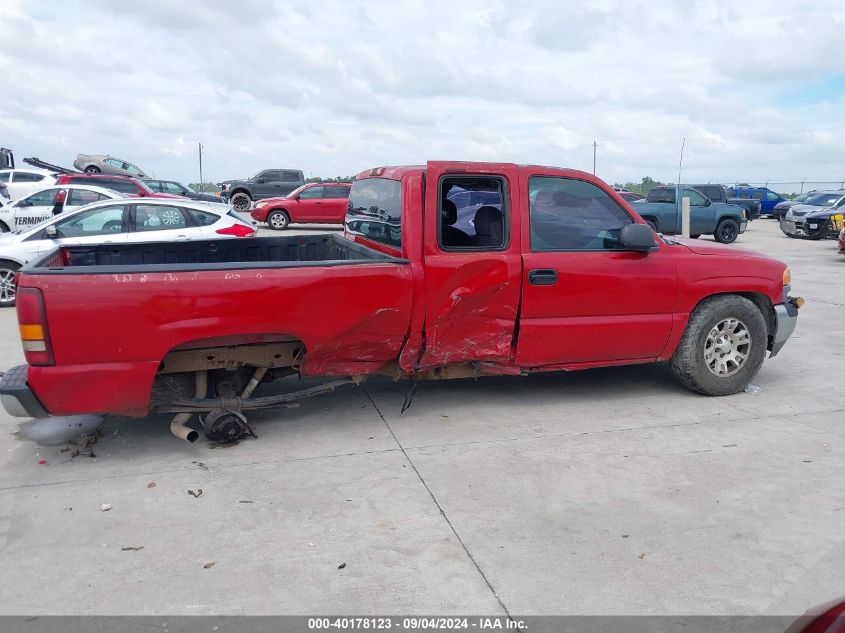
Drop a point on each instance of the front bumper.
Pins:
(808, 226)
(786, 318)
(16, 396)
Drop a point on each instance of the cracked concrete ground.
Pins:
(609, 491)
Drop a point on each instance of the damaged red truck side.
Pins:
(446, 270)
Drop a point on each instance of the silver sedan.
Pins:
(105, 164)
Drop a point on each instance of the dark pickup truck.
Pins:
(268, 183)
(718, 193)
(555, 272)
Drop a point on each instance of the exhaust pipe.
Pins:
(177, 426)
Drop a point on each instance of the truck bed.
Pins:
(262, 252)
(114, 312)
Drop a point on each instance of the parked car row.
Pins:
(817, 217)
(50, 206)
(113, 219)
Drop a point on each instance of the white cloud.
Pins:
(337, 87)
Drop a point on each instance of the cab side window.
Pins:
(78, 197)
(41, 199)
(312, 193)
(566, 214)
(473, 213)
(100, 221)
(695, 198)
(158, 217)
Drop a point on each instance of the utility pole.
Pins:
(200, 151)
(595, 145)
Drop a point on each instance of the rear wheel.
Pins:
(92, 169)
(652, 224)
(723, 346)
(8, 270)
(241, 201)
(727, 231)
(278, 220)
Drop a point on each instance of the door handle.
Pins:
(182, 238)
(542, 277)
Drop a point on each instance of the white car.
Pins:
(118, 221)
(45, 203)
(21, 182)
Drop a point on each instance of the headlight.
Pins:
(258, 205)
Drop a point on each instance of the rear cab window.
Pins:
(374, 211)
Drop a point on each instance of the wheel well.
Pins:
(652, 219)
(240, 190)
(763, 303)
(231, 352)
(282, 209)
(5, 226)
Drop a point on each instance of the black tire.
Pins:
(240, 201)
(794, 237)
(92, 169)
(652, 225)
(689, 362)
(727, 231)
(3, 228)
(278, 220)
(8, 269)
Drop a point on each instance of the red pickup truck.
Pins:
(549, 269)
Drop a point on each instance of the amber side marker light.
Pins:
(787, 276)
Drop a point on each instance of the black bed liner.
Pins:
(230, 254)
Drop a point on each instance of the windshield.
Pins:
(824, 199)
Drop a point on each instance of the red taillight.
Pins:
(238, 230)
(60, 196)
(32, 322)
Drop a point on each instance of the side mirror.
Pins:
(296, 197)
(51, 231)
(260, 181)
(637, 237)
(708, 202)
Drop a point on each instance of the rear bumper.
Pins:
(786, 318)
(743, 226)
(16, 396)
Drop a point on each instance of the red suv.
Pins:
(317, 202)
(122, 184)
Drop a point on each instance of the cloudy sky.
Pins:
(757, 87)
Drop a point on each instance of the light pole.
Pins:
(199, 145)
